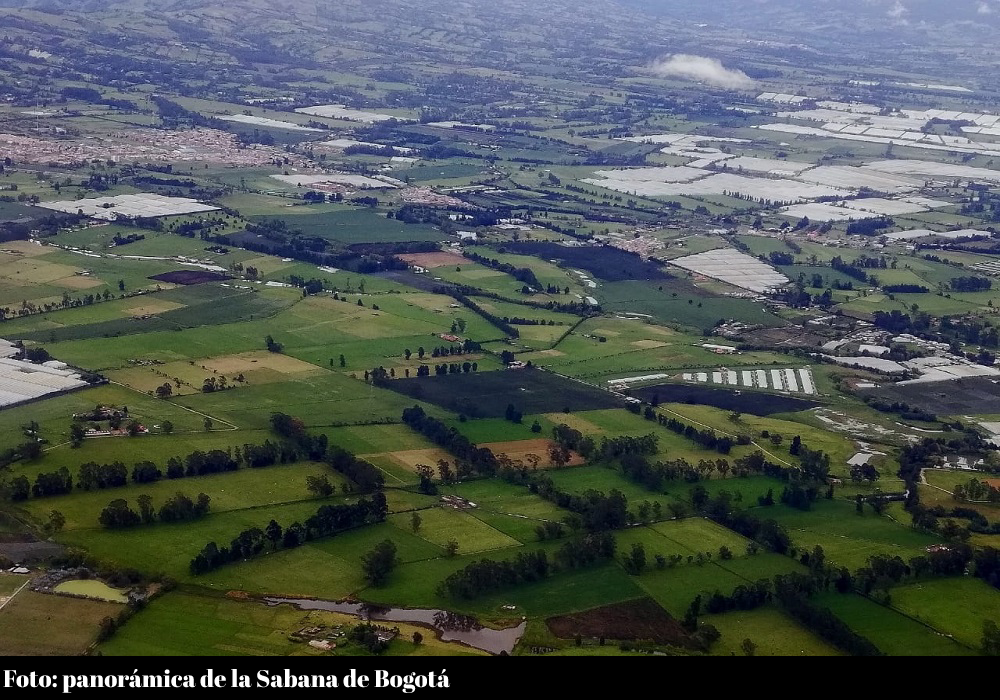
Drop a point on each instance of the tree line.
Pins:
(327, 521)
(365, 476)
(177, 508)
(470, 459)
(95, 476)
(487, 575)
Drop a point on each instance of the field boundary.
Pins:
(12, 595)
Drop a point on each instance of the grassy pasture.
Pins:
(892, 632)
(54, 415)
(242, 489)
(579, 479)
(38, 624)
(439, 525)
(774, 633)
(191, 624)
(955, 607)
(690, 307)
(849, 539)
(10, 583)
(169, 548)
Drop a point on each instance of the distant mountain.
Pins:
(805, 16)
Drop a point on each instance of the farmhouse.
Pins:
(719, 349)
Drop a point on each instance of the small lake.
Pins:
(451, 626)
(93, 589)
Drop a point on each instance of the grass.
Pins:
(440, 525)
(892, 632)
(700, 535)
(11, 582)
(414, 584)
(955, 607)
(579, 479)
(54, 416)
(169, 548)
(91, 588)
(239, 490)
(849, 539)
(674, 588)
(690, 307)
(774, 633)
(184, 623)
(38, 624)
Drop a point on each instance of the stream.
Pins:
(452, 626)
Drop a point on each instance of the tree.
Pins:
(272, 345)
(20, 488)
(146, 513)
(748, 647)
(121, 285)
(319, 486)
(164, 391)
(536, 427)
(57, 521)
(343, 361)
(425, 473)
(451, 549)
(635, 561)
(418, 638)
(377, 564)
(76, 435)
(118, 515)
(274, 533)
(167, 427)
(208, 423)
(415, 521)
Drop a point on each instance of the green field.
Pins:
(687, 308)
(849, 539)
(953, 607)
(774, 633)
(191, 624)
(230, 491)
(39, 624)
(440, 525)
(889, 630)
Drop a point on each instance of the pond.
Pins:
(93, 589)
(452, 627)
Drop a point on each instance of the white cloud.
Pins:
(701, 69)
(984, 8)
(897, 10)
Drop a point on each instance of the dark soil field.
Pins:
(752, 402)
(959, 397)
(487, 394)
(607, 263)
(357, 226)
(229, 306)
(187, 277)
(636, 620)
